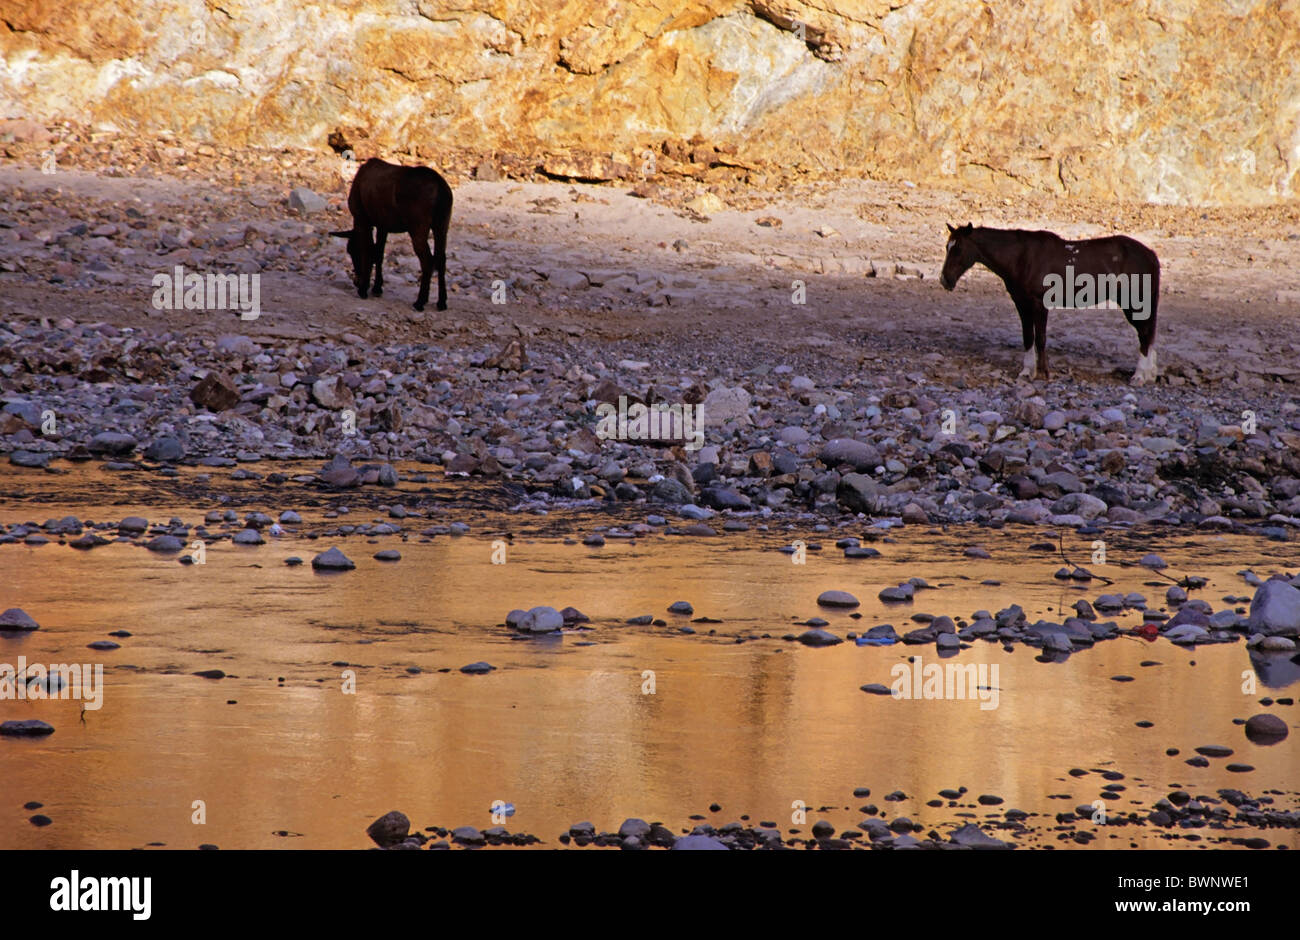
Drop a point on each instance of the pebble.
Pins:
(390, 829)
(842, 599)
(817, 637)
(332, 560)
(634, 828)
(468, 835)
(898, 594)
(15, 618)
(26, 727)
(537, 620)
(971, 836)
(1266, 729)
(861, 551)
(695, 843)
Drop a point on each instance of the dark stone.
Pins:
(818, 638)
(1266, 729)
(15, 618)
(165, 449)
(26, 727)
(389, 829)
(332, 560)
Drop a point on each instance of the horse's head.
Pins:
(962, 253)
(359, 249)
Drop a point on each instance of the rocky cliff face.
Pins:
(1171, 101)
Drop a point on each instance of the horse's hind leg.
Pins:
(420, 243)
(1033, 323)
(1146, 370)
(441, 222)
(1040, 342)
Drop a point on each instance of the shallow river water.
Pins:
(567, 728)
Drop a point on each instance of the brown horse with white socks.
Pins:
(1043, 271)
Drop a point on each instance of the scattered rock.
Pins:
(15, 618)
(389, 829)
(817, 637)
(970, 836)
(840, 599)
(26, 727)
(304, 201)
(332, 560)
(215, 392)
(696, 843)
(1275, 609)
(1266, 729)
(536, 620)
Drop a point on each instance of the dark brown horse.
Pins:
(390, 198)
(1043, 271)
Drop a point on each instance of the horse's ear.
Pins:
(347, 234)
(969, 226)
(951, 230)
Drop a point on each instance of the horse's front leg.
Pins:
(1029, 365)
(381, 238)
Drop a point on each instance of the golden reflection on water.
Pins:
(564, 731)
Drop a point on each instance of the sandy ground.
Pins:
(665, 283)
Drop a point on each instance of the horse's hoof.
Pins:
(1146, 370)
(361, 294)
(378, 291)
(417, 305)
(442, 305)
